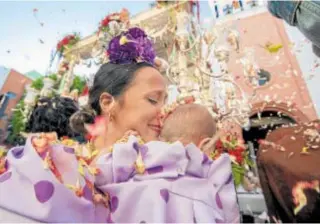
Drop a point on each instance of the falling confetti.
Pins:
(272, 48)
(291, 45)
(41, 41)
(35, 15)
(304, 150)
(8, 51)
(290, 154)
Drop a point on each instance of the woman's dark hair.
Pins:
(110, 78)
(53, 115)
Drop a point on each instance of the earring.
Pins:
(110, 117)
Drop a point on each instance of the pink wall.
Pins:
(286, 78)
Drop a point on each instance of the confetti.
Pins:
(35, 15)
(304, 150)
(272, 48)
(290, 154)
(41, 41)
(291, 44)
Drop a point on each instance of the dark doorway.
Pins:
(261, 124)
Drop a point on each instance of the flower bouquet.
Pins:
(235, 147)
(67, 42)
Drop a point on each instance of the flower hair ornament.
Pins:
(130, 46)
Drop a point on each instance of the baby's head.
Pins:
(189, 123)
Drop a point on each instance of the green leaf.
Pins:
(37, 84)
(54, 77)
(238, 177)
(78, 83)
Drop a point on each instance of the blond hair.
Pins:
(188, 123)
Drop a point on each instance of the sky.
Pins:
(26, 45)
(21, 32)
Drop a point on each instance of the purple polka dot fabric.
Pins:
(154, 170)
(168, 191)
(44, 191)
(230, 179)
(5, 176)
(17, 152)
(164, 194)
(114, 203)
(218, 201)
(219, 221)
(68, 149)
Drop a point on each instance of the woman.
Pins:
(127, 95)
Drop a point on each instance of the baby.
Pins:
(189, 123)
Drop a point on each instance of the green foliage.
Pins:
(54, 77)
(238, 174)
(37, 84)
(78, 83)
(17, 125)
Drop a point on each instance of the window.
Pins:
(11, 95)
(264, 77)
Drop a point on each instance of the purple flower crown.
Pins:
(131, 46)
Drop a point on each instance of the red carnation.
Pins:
(239, 149)
(219, 144)
(237, 155)
(65, 41)
(105, 22)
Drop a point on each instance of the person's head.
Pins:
(52, 115)
(189, 123)
(129, 96)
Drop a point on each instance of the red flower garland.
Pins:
(122, 16)
(67, 40)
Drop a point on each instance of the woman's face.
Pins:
(141, 104)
